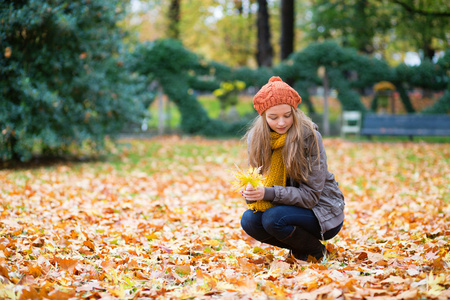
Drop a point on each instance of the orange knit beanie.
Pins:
(273, 93)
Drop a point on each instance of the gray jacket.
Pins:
(321, 193)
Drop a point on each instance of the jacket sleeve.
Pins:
(307, 194)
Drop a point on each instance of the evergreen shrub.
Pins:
(63, 80)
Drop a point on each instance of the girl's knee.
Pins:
(269, 221)
(247, 216)
(271, 216)
(273, 220)
(249, 220)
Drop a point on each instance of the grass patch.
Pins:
(210, 103)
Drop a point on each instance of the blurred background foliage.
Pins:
(76, 72)
(227, 30)
(64, 83)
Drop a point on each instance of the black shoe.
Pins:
(304, 244)
(292, 258)
(297, 255)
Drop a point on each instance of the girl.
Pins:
(300, 203)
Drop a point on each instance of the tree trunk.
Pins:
(239, 6)
(428, 50)
(265, 50)
(161, 115)
(364, 34)
(405, 99)
(326, 89)
(174, 19)
(287, 28)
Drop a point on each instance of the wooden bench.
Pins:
(407, 125)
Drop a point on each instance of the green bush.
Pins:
(64, 81)
(441, 106)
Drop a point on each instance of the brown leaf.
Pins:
(4, 272)
(39, 242)
(29, 293)
(183, 269)
(362, 256)
(67, 264)
(35, 270)
(107, 263)
(246, 266)
(61, 295)
(89, 244)
(141, 275)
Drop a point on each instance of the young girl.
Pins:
(300, 203)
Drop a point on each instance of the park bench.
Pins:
(406, 125)
(351, 122)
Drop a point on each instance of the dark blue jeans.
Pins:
(277, 223)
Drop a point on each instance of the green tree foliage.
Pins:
(353, 23)
(63, 81)
(383, 26)
(224, 32)
(425, 34)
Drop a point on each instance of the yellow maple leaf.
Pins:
(388, 254)
(252, 176)
(434, 284)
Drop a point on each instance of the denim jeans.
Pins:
(277, 223)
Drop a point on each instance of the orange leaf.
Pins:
(4, 272)
(35, 270)
(29, 292)
(89, 244)
(67, 264)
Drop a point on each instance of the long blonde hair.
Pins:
(298, 162)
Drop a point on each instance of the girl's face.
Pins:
(279, 118)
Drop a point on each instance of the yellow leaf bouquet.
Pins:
(253, 177)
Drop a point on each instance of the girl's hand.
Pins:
(252, 194)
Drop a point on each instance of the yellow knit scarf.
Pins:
(277, 170)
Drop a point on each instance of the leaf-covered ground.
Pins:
(160, 221)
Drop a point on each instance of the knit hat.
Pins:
(273, 93)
